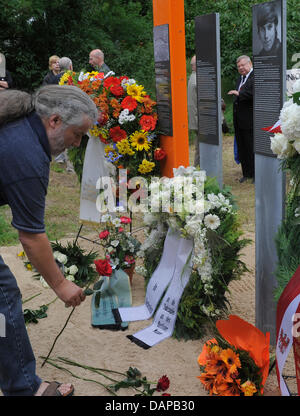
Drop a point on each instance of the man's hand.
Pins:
(233, 92)
(3, 84)
(39, 252)
(69, 293)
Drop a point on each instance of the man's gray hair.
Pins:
(65, 63)
(243, 57)
(67, 101)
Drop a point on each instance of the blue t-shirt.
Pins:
(24, 171)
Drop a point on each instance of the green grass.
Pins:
(8, 234)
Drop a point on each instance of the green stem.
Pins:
(66, 323)
(50, 361)
(93, 369)
(54, 342)
(32, 297)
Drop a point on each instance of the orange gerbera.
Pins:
(229, 389)
(96, 84)
(231, 359)
(208, 381)
(148, 105)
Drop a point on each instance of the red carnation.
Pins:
(100, 75)
(117, 90)
(148, 123)
(103, 267)
(111, 81)
(117, 134)
(70, 80)
(129, 103)
(163, 384)
(104, 234)
(125, 220)
(159, 153)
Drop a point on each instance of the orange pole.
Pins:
(176, 146)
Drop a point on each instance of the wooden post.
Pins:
(176, 146)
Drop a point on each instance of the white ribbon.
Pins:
(94, 167)
(165, 317)
(158, 282)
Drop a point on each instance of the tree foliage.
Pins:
(33, 30)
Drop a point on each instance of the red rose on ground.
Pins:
(117, 134)
(125, 220)
(163, 384)
(147, 123)
(159, 153)
(129, 103)
(104, 234)
(103, 267)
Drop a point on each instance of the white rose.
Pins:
(73, 270)
(70, 277)
(296, 86)
(62, 258)
(115, 243)
(281, 146)
(290, 120)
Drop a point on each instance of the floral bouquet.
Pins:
(120, 247)
(209, 217)
(127, 123)
(237, 362)
(285, 143)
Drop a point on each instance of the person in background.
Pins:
(32, 128)
(243, 116)
(65, 64)
(54, 70)
(5, 76)
(96, 60)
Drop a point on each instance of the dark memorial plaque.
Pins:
(208, 78)
(269, 71)
(163, 79)
(269, 51)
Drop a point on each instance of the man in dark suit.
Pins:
(243, 116)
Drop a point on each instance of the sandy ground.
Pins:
(112, 349)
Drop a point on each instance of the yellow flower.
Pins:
(124, 148)
(139, 140)
(248, 388)
(28, 266)
(95, 131)
(146, 166)
(136, 91)
(21, 254)
(64, 78)
(108, 149)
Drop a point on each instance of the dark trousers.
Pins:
(244, 140)
(17, 362)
